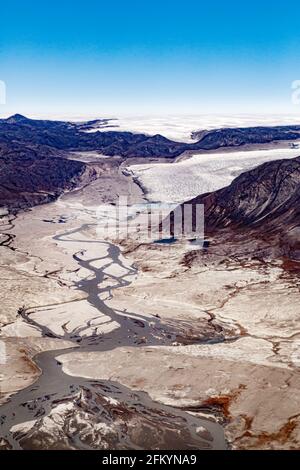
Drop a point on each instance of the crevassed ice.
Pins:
(181, 181)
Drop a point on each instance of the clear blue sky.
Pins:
(110, 57)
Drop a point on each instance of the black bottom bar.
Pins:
(136, 459)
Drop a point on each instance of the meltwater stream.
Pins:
(53, 385)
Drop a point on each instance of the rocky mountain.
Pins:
(263, 203)
(235, 137)
(33, 175)
(70, 136)
(95, 124)
(73, 136)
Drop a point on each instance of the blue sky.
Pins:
(112, 57)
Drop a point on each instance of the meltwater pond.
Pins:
(196, 243)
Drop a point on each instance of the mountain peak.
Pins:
(16, 118)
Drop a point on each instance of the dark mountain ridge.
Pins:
(235, 137)
(35, 175)
(71, 136)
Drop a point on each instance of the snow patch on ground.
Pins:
(23, 427)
